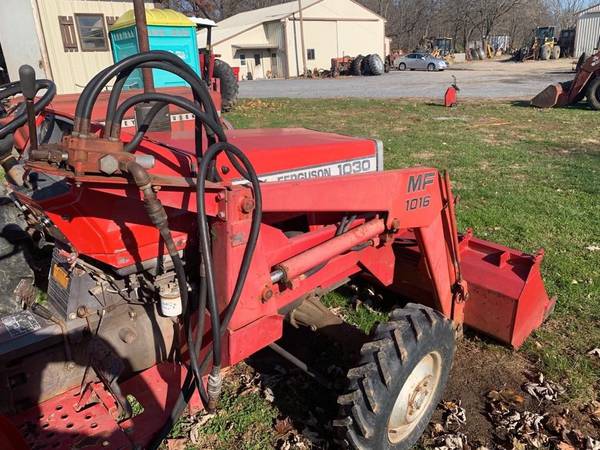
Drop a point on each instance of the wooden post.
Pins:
(144, 46)
(302, 37)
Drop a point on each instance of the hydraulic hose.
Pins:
(158, 216)
(143, 126)
(182, 102)
(188, 385)
(191, 78)
(93, 89)
(21, 119)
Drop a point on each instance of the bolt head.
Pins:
(267, 294)
(247, 205)
(109, 164)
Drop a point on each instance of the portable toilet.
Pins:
(167, 30)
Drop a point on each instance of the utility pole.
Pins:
(302, 37)
(144, 46)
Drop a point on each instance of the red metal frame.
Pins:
(406, 218)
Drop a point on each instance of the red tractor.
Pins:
(175, 254)
(586, 84)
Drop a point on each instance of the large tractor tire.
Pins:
(555, 52)
(15, 250)
(376, 65)
(364, 66)
(399, 381)
(355, 66)
(581, 61)
(229, 84)
(545, 52)
(593, 93)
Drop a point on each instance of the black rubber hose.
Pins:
(143, 126)
(185, 75)
(195, 342)
(205, 240)
(188, 386)
(134, 61)
(21, 120)
(182, 102)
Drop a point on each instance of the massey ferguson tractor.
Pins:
(174, 254)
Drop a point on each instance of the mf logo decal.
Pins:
(420, 182)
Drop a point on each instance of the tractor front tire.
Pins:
(545, 52)
(229, 84)
(555, 52)
(399, 381)
(593, 93)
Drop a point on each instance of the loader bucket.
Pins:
(548, 98)
(507, 299)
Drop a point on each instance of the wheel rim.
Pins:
(415, 397)
(431, 67)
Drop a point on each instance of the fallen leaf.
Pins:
(283, 426)
(565, 446)
(176, 444)
(507, 395)
(594, 352)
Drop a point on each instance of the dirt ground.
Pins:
(479, 79)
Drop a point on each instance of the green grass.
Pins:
(526, 178)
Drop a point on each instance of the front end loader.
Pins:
(170, 255)
(586, 84)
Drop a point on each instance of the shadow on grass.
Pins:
(583, 106)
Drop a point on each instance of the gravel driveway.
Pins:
(481, 79)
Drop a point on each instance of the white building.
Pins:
(267, 42)
(64, 40)
(587, 33)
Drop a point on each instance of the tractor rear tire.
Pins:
(229, 84)
(555, 52)
(355, 66)
(399, 381)
(376, 66)
(581, 61)
(364, 66)
(593, 93)
(545, 52)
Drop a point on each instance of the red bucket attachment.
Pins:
(548, 98)
(507, 298)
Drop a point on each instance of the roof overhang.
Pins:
(253, 46)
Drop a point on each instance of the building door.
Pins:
(258, 67)
(274, 66)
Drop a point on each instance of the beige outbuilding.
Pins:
(267, 42)
(64, 40)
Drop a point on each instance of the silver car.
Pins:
(420, 61)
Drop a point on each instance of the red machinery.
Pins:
(177, 254)
(450, 97)
(585, 84)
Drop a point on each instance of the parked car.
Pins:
(420, 61)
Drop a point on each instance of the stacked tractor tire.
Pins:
(367, 65)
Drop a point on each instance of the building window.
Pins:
(273, 55)
(257, 59)
(242, 60)
(67, 32)
(310, 53)
(92, 34)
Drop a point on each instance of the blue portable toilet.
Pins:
(167, 30)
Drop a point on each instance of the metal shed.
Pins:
(587, 36)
